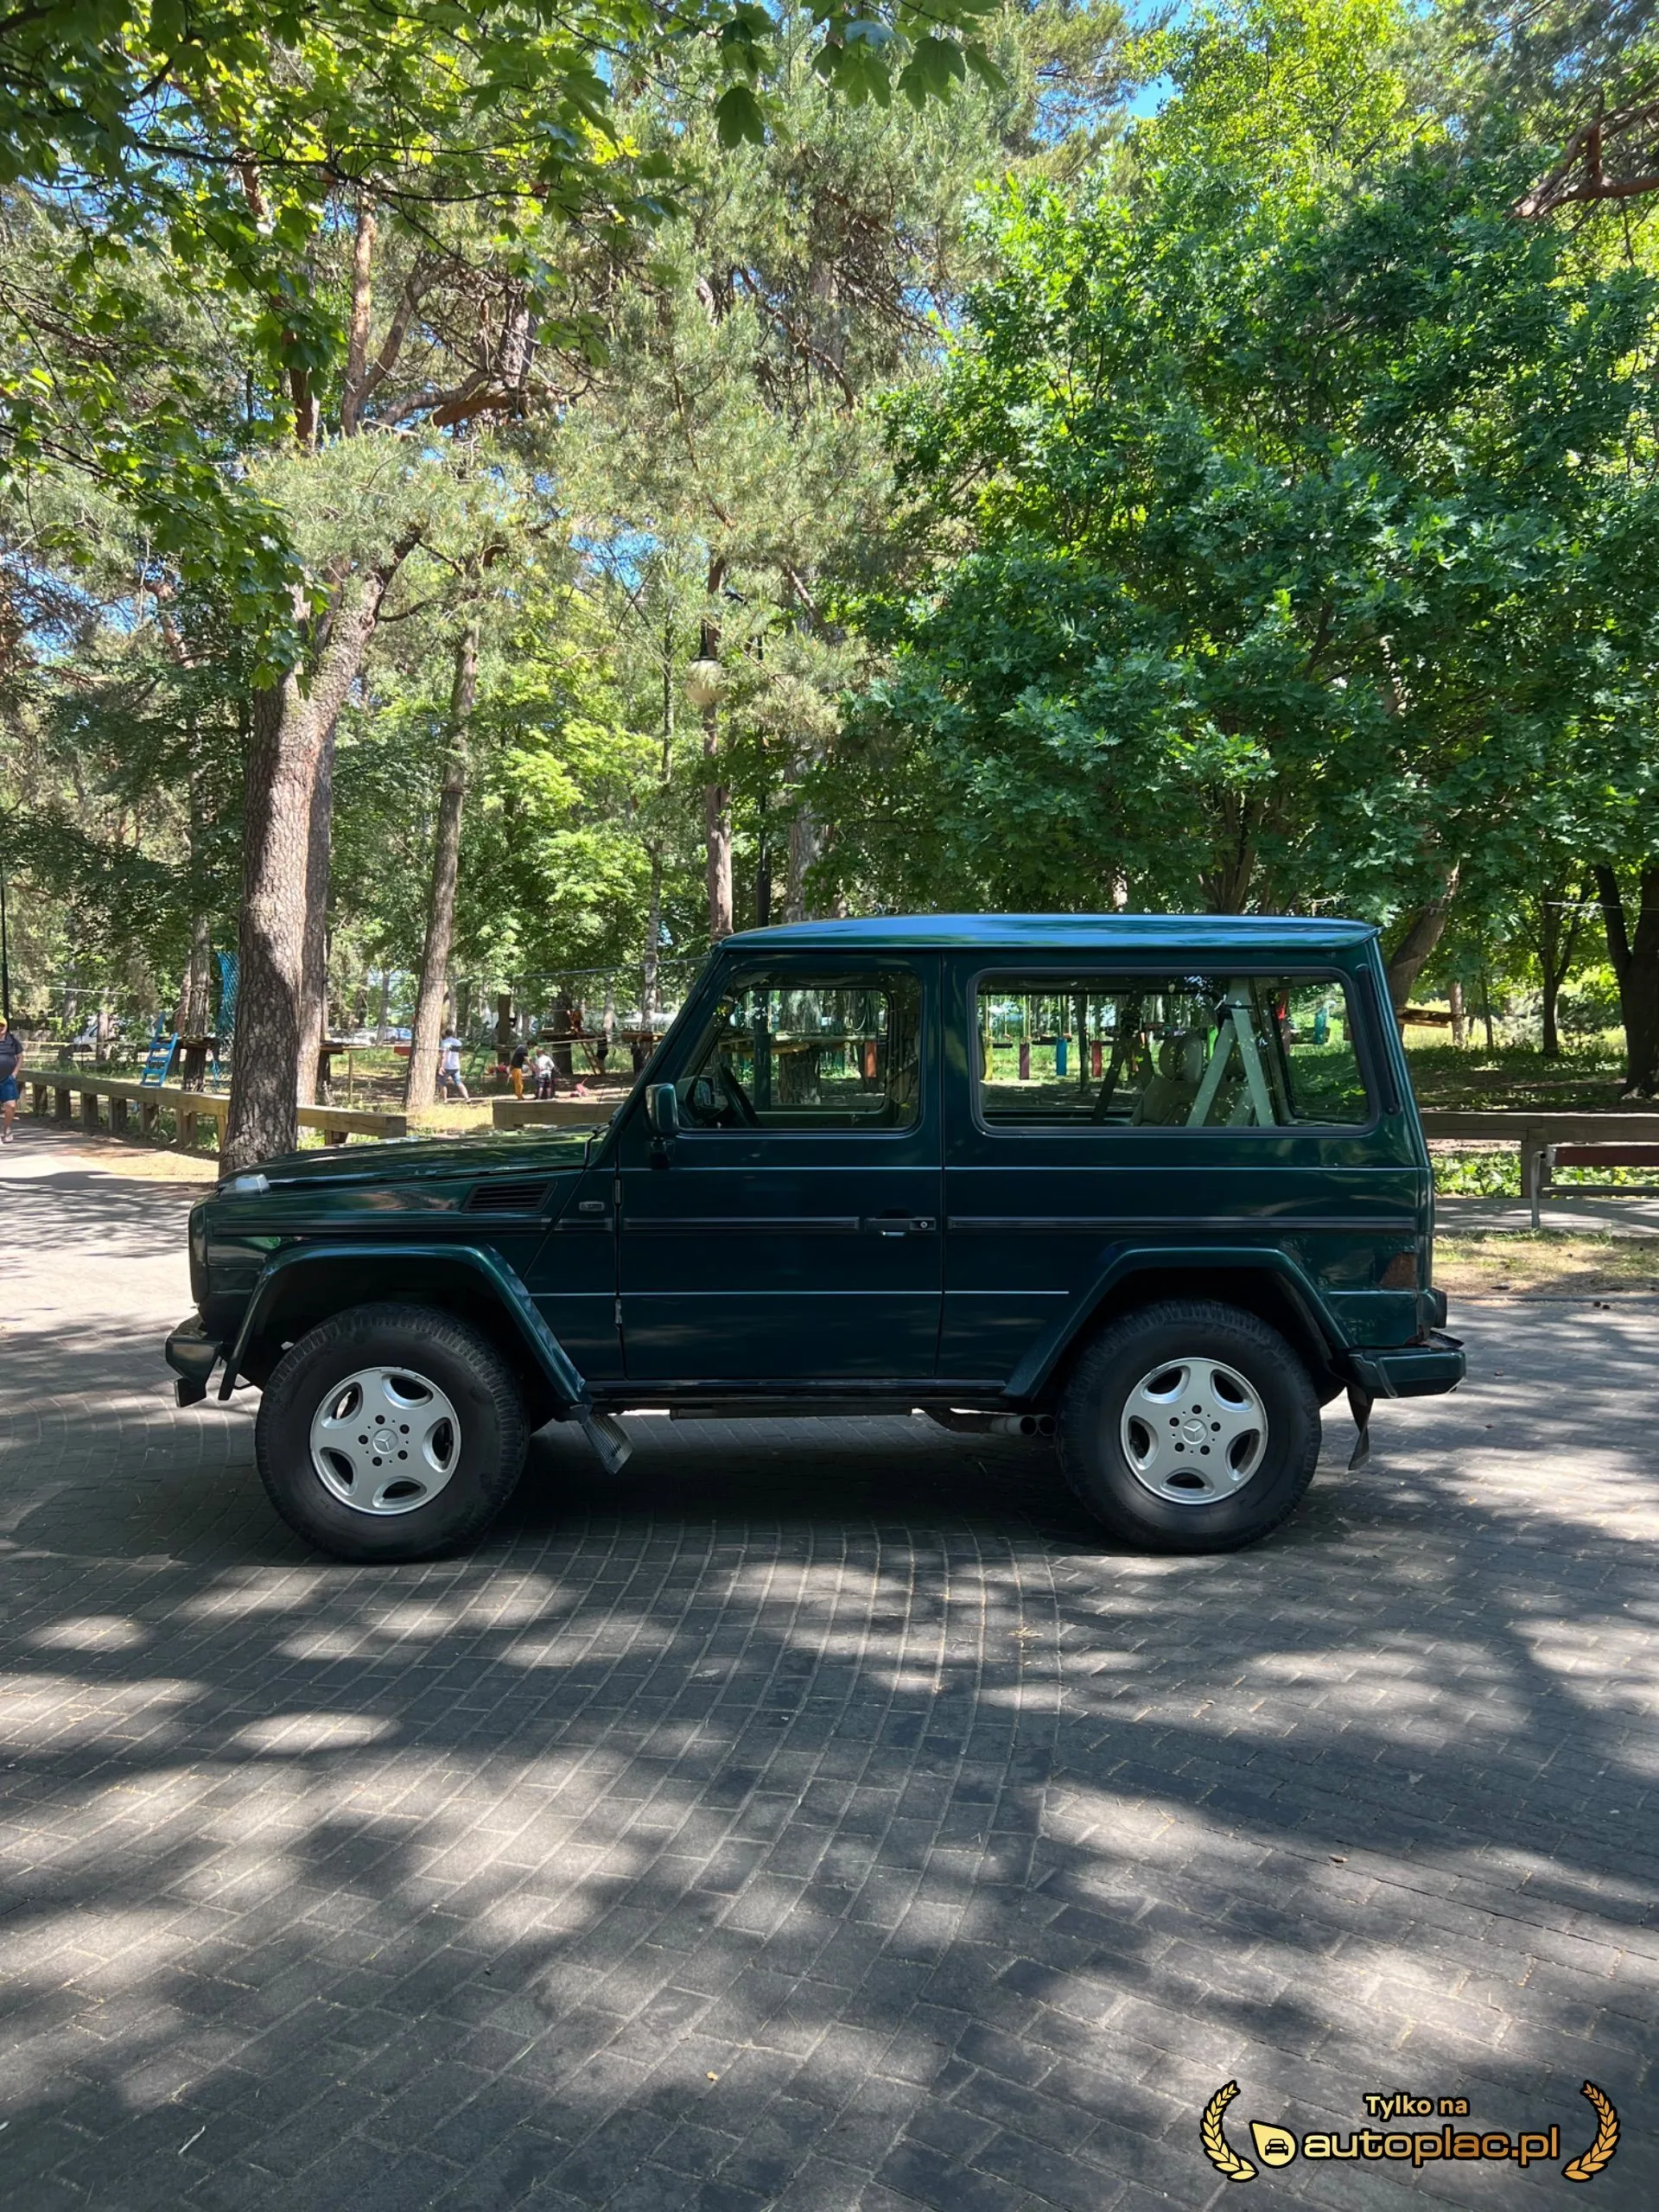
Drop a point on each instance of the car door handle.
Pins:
(902, 1224)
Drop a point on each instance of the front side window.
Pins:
(1204, 1050)
(833, 1053)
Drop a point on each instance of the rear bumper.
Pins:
(1423, 1370)
(193, 1355)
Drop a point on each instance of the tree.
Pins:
(1284, 514)
(735, 419)
(427, 1032)
(249, 143)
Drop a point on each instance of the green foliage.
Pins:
(1246, 508)
(218, 142)
(1305, 499)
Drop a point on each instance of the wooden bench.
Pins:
(189, 1109)
(1549, 1140)
(1595, 1155)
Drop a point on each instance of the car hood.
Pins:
(408, 1159)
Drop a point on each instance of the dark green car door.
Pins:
(792, 1232)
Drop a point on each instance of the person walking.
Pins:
(11, 1061)
(516, 1066)
(449, 1080)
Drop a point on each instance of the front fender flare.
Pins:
(1045, 1355)
(549, 1356)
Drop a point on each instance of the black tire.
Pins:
(1096, 1404)
(484, 1462)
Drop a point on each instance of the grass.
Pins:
(1515, 1078)
(1550, 1263)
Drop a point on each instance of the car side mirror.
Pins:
(663, 1111)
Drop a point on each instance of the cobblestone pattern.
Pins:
(819, 1817)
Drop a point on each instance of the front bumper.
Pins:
(193, 1355)
(1421, 1370)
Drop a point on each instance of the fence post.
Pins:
(1534, 1154)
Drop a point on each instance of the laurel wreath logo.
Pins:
(1606, 2140)
(1219, 2152)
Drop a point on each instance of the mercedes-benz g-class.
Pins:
(1156, 1182)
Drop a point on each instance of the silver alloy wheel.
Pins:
(385, 1440)
(1193, 1430)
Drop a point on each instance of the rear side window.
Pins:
(1205, 1052)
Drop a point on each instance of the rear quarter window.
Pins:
(1206, 1050)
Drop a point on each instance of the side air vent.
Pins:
(507, 1197)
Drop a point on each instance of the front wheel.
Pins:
(1189, 1426)
(390, 1432)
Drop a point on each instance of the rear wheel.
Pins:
(390, 1432)
(1190, 1427)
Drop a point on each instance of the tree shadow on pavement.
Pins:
(822, 1817)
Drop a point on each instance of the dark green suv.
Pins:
(1155, 1183)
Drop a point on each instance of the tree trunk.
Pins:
(648, 992)
(427, 1034)
(559, 1049)
(1459, 1026)
(717, 831)
(1635, 957)
(716, 797)
(503, 1025)
(1416, 942)
(1559, 920)
(762, 871)
(803, 852)
(1552, 991)
(1227, 886)
(194, 1007)
(285, 748)
(313, 989)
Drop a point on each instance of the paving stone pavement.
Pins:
(820, 1816)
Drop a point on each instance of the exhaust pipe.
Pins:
(977, 1424)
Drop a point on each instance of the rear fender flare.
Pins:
(490, 1274)
(1322, 1340)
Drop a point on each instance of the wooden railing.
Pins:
(189, 1109)
(555, 1113)
(54, 1090)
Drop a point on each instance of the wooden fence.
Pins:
(555, 1113)
(55, 1089)
(1536, 1136)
